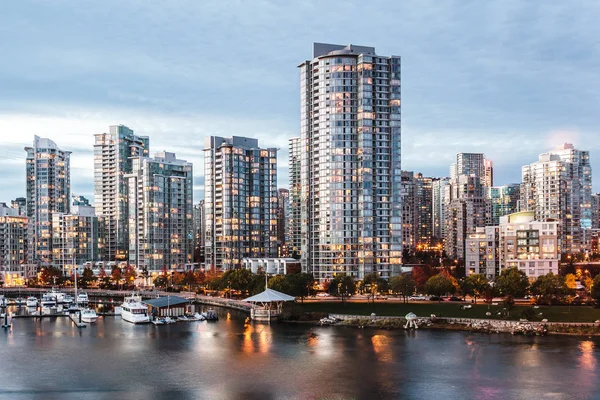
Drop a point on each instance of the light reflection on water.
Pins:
(237, 359)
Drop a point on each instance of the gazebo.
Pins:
(267, 305)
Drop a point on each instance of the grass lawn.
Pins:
(448, 309)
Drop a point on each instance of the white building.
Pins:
(271, 266)
(559, 186)
(482, 252)
(13, 247)
(530, 245)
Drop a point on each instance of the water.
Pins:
(51, 359)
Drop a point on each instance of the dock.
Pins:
(76, 318)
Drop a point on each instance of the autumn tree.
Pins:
(439, 285)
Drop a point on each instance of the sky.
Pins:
(511, 79)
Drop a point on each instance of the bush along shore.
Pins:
(522, 327)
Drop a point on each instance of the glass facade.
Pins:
(160, 212)
(559, 186)
(113, 158)
(295, 221)
(240, 193)
(504, 200)
(350, 115)
(48, 191)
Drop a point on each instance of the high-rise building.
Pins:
(468, 206)
(504, 200)
(596, 211)
(20, 204)
(283, 218)
(409, 212)
(559, 187)
(423, 211)
(439, 201)
(199, 232)
(160, 212)
(350, 162)
(240, 193)
(295, 224)
(48, 191)
(78, 236)
(113, 159)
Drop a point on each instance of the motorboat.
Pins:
(11, 302)
(67, 299)
(199, 317)
(210, 315)
(169, 320)
(31, 301)
(82, 298)
(20, 301)
(158, 321)
(88, 315)
(3, 301)
(55, 297)
(48, 300)
(183, 318)
(49, 310)
(132, 310)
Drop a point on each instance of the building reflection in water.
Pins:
(256, 338)
(382, 348)
(587, 359)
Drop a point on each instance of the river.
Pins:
(231, 359)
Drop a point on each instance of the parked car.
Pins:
(455, 298)
(436, 298)
(417, 298)
(323, 294)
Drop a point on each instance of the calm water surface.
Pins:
(51, 359)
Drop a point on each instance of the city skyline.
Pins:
(472, 83)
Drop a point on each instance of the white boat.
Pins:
(159, 321)
(88, 315)
(31, 301)
(210, 315)
(132, 310)
(48, 300)
(82, 298)
(20, 301)
(199, 317)
(169, 320)
(183, 318)
(3, 301)
(67, 299)
(55, 297)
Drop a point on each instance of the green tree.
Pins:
(370, 285)
(512, 282)
(595, 290)
(549, 288)
(342, 286)
(476, 285)
(403, 285)
(280, 283)
(240, 279)
(300, 285)
(439, 285)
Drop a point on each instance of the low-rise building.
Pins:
(482, 252)
(271, 266)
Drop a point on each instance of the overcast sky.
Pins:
(511, 79)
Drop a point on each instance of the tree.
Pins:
(279, 283)
(512, 282)
(595, 290)
(342, 286)
(370, 284)
(403, 285)
(87, 277)
(129, 274)
(476, 285)
(571, 281)
(549, 288)
(116, 275)
(439, 285)
(420, 275)
(300, 285)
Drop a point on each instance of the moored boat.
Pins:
(132, 310)
(88, 315)
(31, 301)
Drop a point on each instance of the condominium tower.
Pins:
(113, 158)
(160, 212)
(351, 214)
(48, 191)
(559, 187)
(295, 223)
(240, 193)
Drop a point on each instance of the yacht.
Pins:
(132, 310)
(31, 301)
(88, 315)
(20, 301)
(48, 300)
(3, 301)
(82, 298)
(210, 315)
(67, 299)
(55, 296)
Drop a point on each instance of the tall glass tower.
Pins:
(48, 191)
(113, 158)
(350, 162)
